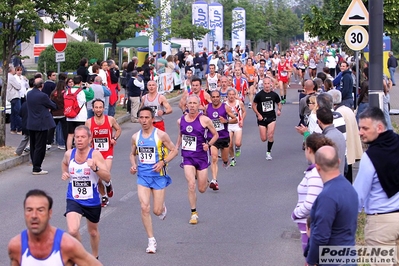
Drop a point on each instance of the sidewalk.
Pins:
(13, 141)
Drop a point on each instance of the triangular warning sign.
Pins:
(356, 14)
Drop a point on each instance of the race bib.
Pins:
(147, 155)
(218, 125)
(154, 109)
(267, 106)
(284, 73)
(189, 143)
(82, 189)
(101, 144)
(251, 77)
(212, 86)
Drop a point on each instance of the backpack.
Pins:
(71, 104)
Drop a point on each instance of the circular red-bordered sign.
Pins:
(60, 41)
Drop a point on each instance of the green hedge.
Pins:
(74, 52)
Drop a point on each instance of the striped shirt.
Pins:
(308, 190)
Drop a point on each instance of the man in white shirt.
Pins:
(13, 88)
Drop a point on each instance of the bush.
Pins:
(74, 52)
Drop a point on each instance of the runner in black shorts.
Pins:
(264, 108)
(219, 113)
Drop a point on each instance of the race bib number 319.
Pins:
(147, 155)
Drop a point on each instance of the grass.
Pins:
(6, 152)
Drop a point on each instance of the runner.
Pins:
(240, 83)
(43, 244)
(212, 79)
(151, 146)
(187, 81)
(282, 76)
(84, 167)
(105, 131)
(192, 128)
(221, 117)
(235, 130)
(158, 103)
(264, 108)
(196, 89)
(224, 82)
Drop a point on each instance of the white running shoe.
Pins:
(152, 246)
(268, 156)
(163, 214)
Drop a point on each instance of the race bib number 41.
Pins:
(147, 155)
(189, 143)
(101, 144)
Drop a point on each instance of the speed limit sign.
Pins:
(356, 38)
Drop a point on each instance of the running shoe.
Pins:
(104, 202)
(283, 101)
(233, 162)
(250, 105)
(238, 151)
(268, 156)
(226, 165)
(214, 185)
(163, 214)
(194, 218)
(110, 190)
(152, 246)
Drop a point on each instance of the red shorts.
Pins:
(160, 125)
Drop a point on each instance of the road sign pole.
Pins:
(357, 79)
(58, 68)
(376, 28)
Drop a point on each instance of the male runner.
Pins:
(84, 167)
(192, 128)
(43, 244)
(264, 108)
(105, 131)
(235, 130)
(158, 103)
(282, 76)
(212, 79)
(151, 146)
(240, 83)
(224, 82)
(196, 89)
(221, 117)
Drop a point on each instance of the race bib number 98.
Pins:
(82, 190)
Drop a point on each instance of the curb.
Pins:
(18, 160)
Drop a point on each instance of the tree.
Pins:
(324, 22)
(19, 21)
(116, 20)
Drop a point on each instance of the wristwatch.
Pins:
(97, 169)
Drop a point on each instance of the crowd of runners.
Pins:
(236, 84)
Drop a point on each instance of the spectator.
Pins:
(57, 96)
(14, 97)
(49, 84)
(135, 88)
(392, 65)
(39, 122)
(83, 70)
(346, 85)
(334, 213)
(81, 118)
(113, 85)
(377, 179)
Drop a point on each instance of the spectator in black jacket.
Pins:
(49, 85)
(83, 69)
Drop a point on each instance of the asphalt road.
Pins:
(246, 222)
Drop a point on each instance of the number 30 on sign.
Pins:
(356, 38)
